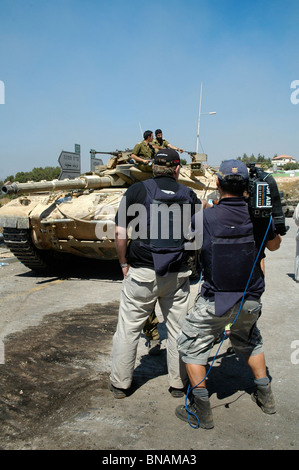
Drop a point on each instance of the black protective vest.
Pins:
(165, 225)
(232, 255)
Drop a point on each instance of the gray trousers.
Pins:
(141, 289)
(202, 327)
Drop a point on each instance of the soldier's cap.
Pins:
(231, 168)
(167, 157)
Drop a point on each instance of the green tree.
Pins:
(37, 174)
(291, 166)
(10, 178)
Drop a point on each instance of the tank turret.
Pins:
(52, 219)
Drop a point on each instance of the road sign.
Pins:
(70, 164)
(64, 174)
(95, 162)
(70, 161)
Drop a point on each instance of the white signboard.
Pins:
(64, 174)
(69, 161)
(70, 164)
(94, 162)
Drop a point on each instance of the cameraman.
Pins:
(230, 246)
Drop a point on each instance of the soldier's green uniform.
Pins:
(144, 150)
(164, 145)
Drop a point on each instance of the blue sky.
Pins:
(93, 71)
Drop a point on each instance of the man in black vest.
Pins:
(229, 299)
(155, 268)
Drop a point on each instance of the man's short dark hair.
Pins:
(159, 170)
(233, 184)
(147, 134)
(158, 131)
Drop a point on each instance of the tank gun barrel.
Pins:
(116, 153)
(83, 182)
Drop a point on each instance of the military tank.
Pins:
(51, 221)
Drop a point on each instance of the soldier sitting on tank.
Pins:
(162, 143)
(144, 151)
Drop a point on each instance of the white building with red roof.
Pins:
(283, 159)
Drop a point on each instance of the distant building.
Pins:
(283, 159)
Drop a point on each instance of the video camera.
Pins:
(264, 199)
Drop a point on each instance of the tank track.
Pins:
(20, 244)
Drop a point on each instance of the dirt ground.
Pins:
(54, 379)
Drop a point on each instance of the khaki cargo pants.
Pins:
(141, 289)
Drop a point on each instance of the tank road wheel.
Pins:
(20, 244)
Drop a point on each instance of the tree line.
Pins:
(265, 162)
(37, 174)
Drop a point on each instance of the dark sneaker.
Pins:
(264, 398)
(199, 415)
(154, 347)
(117, 392)
(177, 392)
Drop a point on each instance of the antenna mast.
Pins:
(198, 122)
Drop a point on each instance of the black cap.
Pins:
(167, 157)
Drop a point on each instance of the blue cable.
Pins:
(224, 333)
(191, 388)
(257, 257)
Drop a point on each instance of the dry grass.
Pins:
(289, 186)
(4, 200)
